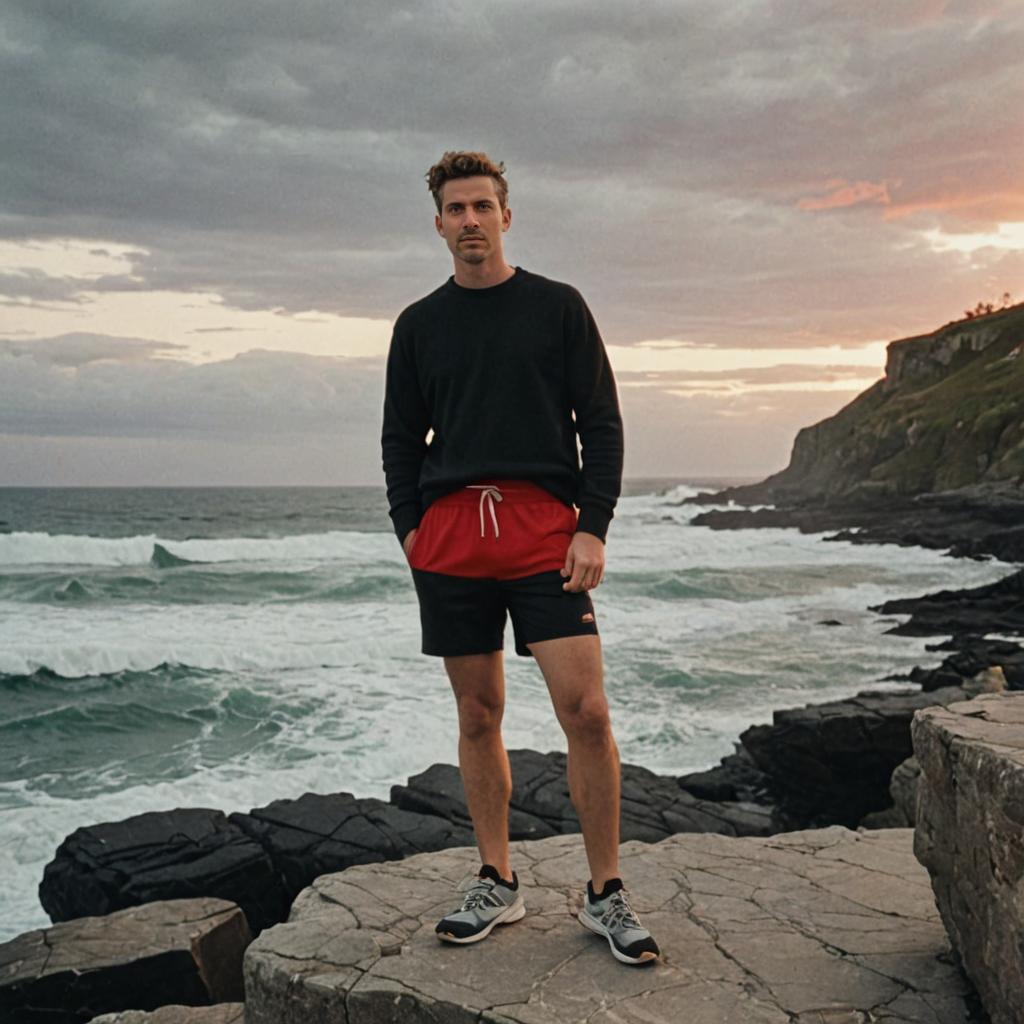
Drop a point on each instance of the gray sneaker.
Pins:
(489, 901)
(613, 918)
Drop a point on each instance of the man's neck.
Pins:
(482, 275)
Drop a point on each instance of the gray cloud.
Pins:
(90, 386)
(76, 350)
(658, 153)
(80, 409)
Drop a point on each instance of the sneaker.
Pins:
(613, 918)
(489, 901)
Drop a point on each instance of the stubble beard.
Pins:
(475, 254)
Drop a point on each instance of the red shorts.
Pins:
(501, 529)
(490, 550)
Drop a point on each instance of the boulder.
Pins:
(653, 806)
(831, 763)
(318, 833)
(970, 837)
(170, 951)
(162, 855)
(810, 927)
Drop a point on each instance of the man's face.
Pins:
(471, 220)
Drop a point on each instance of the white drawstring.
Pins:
(491, 492)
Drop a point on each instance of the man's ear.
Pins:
(437, 224)
(506, 218)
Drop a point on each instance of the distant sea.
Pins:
(225, 647)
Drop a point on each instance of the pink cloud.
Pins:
(845, 193)
(977, 210)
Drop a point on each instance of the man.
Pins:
(497, 362)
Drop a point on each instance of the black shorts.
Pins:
(464, 615)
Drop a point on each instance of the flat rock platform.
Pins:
(819, 927)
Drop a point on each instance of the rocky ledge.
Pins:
(970, 836)
(186, 951)
(829, 927)
(974, 522)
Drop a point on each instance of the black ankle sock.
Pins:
(612, 885)
(490, 871)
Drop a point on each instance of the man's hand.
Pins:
(584, 562)
(408, 541)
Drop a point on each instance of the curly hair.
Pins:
(465, 164)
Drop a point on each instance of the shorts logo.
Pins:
(587, 617)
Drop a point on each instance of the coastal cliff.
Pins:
(948, 414)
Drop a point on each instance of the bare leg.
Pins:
(574, 675)
(478, 681)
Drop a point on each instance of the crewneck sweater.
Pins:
(505, 377)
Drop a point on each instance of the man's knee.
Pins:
(587, 718)
(479, 717)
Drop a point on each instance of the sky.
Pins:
(210, 214)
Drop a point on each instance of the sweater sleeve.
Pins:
(595, 403)
(404, 433)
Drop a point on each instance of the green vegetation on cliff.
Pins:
(949, 413)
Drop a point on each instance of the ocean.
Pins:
(225, 647)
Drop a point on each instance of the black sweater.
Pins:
(498, 373)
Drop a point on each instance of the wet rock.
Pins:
(734, 778)
(971, 655)
(161, 855)
(968, 524)
(994, 608)
(318, 833)
(831, 763)
(653, 806)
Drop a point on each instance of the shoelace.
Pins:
(479, 894)
(619, 912)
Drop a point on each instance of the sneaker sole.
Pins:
(514, 913)
(599, 929)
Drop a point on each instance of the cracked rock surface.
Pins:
(168, 951)
(818, 927)
(970, 836)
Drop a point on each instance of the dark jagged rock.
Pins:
(161, 855)
(993, 608)
(653, 806)
(169, 951)
(831, 763)
(734, 778)
(973, 657)
(980, 522)
(318, 833)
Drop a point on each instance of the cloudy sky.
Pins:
(210, 213)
